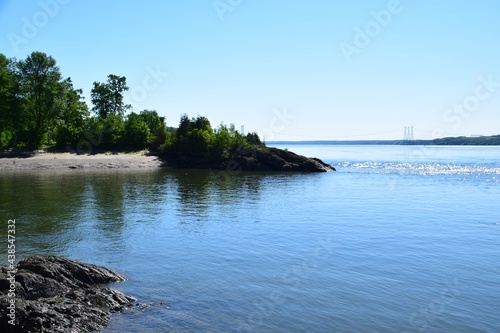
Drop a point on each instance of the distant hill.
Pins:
(493, 140)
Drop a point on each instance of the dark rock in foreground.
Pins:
(55, 294)
(274, 159)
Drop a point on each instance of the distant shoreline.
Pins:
(493, 140)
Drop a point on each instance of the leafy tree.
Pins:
(102, 134)
(9, 102)
(107, 98)
(227, 140)
(40, 87)
(199, 141)
(157, 128)
(92, 135)
(253, 139)
(221, 145)
(168, 143)
(109, 107)
(137, 133)
(194, 136)
(185, 126)
(202, 123)
(113, 132)
(152, 119)
(70, 124)
(38, 107)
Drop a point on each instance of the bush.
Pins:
(137, 134)
(196, 138)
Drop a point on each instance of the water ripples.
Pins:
(422, 169)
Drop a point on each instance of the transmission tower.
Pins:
(408, 137)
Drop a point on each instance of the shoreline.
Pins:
(49, 161)
(245, 159)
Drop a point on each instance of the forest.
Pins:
(40, 109)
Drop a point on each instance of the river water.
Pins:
(399, 239)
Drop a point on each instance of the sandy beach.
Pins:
(73, 161)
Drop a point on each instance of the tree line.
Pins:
(39, 108)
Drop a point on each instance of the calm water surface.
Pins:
(400, 239)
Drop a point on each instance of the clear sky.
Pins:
(290, 70)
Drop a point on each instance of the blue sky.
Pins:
(290, 70)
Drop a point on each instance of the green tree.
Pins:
(107, 98)
(222, 142)
(137, 132)
(194, 136)
(202, 123)
(40, 87)
(226, 141)
(9, 102)
(185, 126)
(157, 128)
(109, 107)
(102, 134)
(73, 111)
(254, 140)
(113, 132)
(152, 119)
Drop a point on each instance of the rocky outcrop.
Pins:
(274, 159)
(55, 294)
(249, 159)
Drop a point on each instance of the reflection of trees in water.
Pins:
(120, 198)
(206, 196)
(57, 210)
(108, 196)
(43, 204)
(202, 187)
(192, 192)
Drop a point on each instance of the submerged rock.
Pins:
(55, 294)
